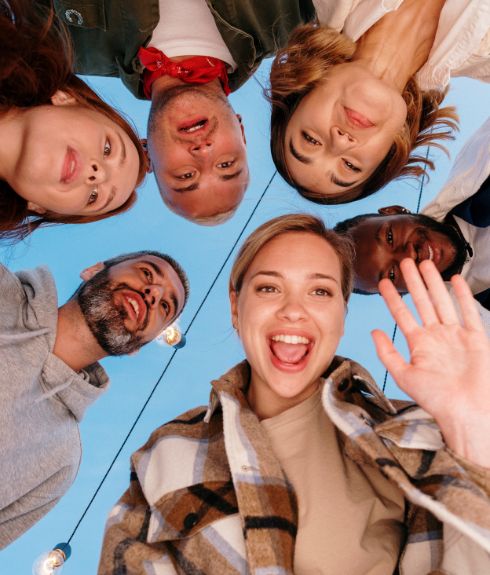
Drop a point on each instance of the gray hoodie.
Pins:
(42, 401)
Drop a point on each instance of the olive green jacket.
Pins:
(108, 33)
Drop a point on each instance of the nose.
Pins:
(406, 250)
(292, 309)
(201, 147)
(342, 141)
(153, 294)
(97, 173)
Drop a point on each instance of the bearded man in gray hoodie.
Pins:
(49, 370)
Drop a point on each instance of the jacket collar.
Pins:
(343, 375)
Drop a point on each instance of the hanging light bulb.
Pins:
(172, 336)
(51, 562)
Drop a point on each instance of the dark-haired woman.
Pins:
(65, 155)
(300, 464)
(351, 102)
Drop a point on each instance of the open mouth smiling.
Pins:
(290, 352)
(135, 307)
(427, 251)
(193, 126)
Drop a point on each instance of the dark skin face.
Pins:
(383, 242)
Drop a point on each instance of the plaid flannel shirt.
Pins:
(208, 496)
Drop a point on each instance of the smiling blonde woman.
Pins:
(354, 96)
(65, 155)
(299, 464)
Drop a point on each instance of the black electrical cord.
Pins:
(138, 417)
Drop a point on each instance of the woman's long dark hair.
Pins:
(36, 61)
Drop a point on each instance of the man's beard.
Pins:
(454, 238)
(104, 319)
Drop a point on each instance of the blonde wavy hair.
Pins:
(294, 223)
(298, 68)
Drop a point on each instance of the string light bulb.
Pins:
(51, 562)
(172, 336)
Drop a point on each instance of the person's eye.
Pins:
(186, 176)
(266, 289)
(323, 292)
(389, 236)
(166, 306)
(350, 166)
(148, 275)
(392, 275)
(94, 194)
(107, 148)
(310, 139)
(224, 165)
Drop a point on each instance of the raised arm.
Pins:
(448, 373)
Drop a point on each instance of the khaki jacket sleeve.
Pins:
(125, 548)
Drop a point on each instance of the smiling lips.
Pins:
(289, 352)
(192, 126)
(135, 307)
(71, 166)
(357, 119)
(428, 251)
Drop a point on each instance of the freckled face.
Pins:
(290, 317)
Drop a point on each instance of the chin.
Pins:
(290, 390)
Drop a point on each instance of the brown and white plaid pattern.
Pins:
(207, 495)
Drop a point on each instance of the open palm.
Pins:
(448, 373)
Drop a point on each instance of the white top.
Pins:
(461, 46)
(187, 27)
(470, 169)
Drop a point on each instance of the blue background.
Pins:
(212, 346)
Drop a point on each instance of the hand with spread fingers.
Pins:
(448, 373)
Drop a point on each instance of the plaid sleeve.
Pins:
(125, 550)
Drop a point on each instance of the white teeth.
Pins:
(295, 339)
(72, 167)
(431, 253)
(194, 128)
(135, 305)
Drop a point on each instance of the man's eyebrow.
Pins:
(175, 303)
(156, 268)
(379, 240)
(297, 155)
(227, 177)
(123, 150)
(190, 188)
